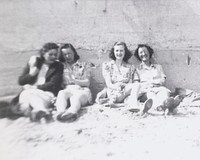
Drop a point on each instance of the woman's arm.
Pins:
(30, 72)
(85, 82)
(82, 83)
(135, 74)
(25, 77)
(160, 78)
(53, 81)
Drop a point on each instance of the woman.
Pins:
(76, 82)
(152, 77)
(121, 79)
(41, 80)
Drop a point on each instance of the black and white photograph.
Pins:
(99, 79)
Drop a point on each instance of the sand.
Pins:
(103, 133)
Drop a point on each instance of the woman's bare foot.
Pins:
(101, 100)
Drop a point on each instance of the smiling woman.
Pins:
(120, 77)
(152, 77)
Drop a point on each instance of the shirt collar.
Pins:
(142, 66)
(67, 65)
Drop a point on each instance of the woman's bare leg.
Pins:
(62, 100)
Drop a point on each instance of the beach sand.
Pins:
(103, 133)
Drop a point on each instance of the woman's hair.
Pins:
(150, 50)
(127, 52)
(46, 47)
(65, 46)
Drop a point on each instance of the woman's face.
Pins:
(50, 56)
(68, 55)
(144, 55)
(119, 52)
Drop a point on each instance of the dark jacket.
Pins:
(54, 77)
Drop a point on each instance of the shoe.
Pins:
(48, 118)
(32, 117)
(147, 105)
(134, 110)
(177, 100)
(37, 116)
(58, 117)
(159, 108)
(67, 117)
(102, 100)
(106, 105)
(116, 105)
(168, 103)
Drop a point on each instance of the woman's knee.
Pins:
(36, 101)
(79, 98)
(164, 92)
(134, 85)
(63, 93)
(151, 95)
(25, 93)
(24, 97)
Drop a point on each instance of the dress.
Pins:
(126, 74)
(80, 71)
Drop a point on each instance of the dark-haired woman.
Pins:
(41, 81)
(121, 79)
(152, 77)
(76, 82)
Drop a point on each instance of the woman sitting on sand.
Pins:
(76, 81)
(41, 81)
(121, 79)
(152, 79)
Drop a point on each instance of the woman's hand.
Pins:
(32, 61)
(33, 71)
(119, 86)
(72, 79)
(28, 86)
(32, 64)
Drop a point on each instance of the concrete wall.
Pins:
(171, 27)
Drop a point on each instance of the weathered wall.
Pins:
(170, 27)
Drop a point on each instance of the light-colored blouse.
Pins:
(154, 73)
(80, 71)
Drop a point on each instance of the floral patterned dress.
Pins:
(127, 74)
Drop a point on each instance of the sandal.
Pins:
(37, 116)
(147, 105)
(116, 105)
(67, 117)
(102, 100)
(134, 110)
(177, 100)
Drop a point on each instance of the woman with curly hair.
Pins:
(121, 79)
(152, 77)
